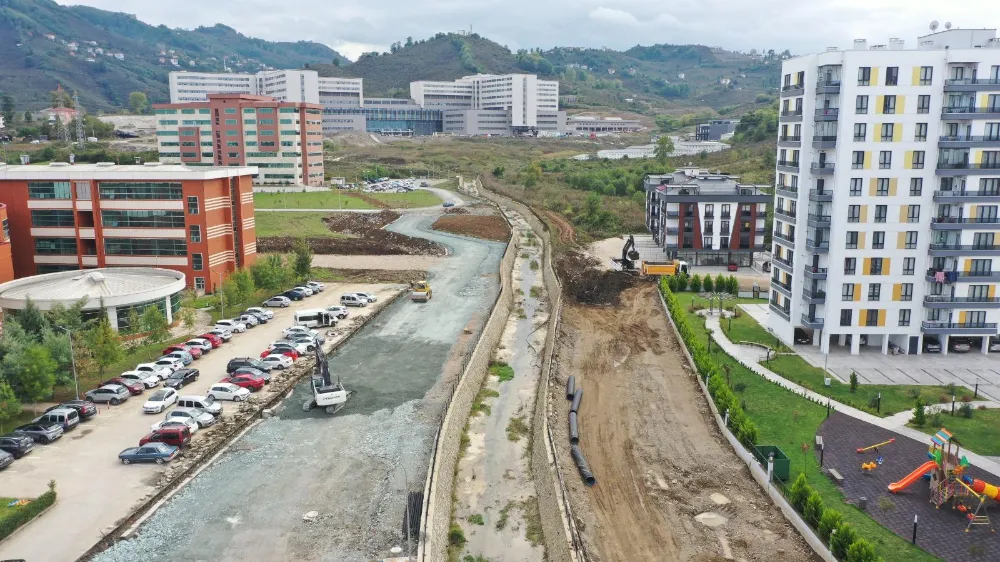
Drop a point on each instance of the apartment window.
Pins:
(233, 154)
(926, 75)
(850, 266)
(979, 292)
(142, 219)
(918, 160)
(725, 228)
(916, 186)
(196, 262)
(923, 104)
(860, 131)
(885, 159)
(55, 246)
(83, 190)
(199, 283)
(725, 212)
(140, 190)
(846, 316)
(858, 159)
(706, 242)
(911, 240)
(981, 266)
(913, 213)
(861, 105)
(192, 205)
(874, 293)
(51, 218)
(232, 133)
(230, 111)
(875, 266)
(864, 76)
(920, 132)
(887, 130)
(724, 242)
(854, 213)
(906, 292)
(878, 240)
(889, 104)
(847, 292)
(49, 190)
(881, 213)
(856, 186)
(144, 247)
(709, 227)
(909, 265)
(231, 122)
(195, 233)
(891, 76)
(852, 240)
(904, 317)
(882, 187)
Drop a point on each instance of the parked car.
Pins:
(932, 344)
(287, 351)
(294, 295)
(153, 452)
(300, 330)
(145, 378)
(173, 362)
(84, 408)
(180, 379)
(66, 417)
(228, 391)
(994, 344)
(113, 394)
(801, 337)
(307, 336)
(269, 314)
(369, 296)
(249, 320)
(194, 353)
(190, 424)
(206, 403)
(304, 290)
(300, 346)
(960, 345)
(279, 301)
(203, 418)
(316, 286)
(248, 381)
(160, 400)
(448, 204)
(174, 436)
(259, 317)
(233, 326)
(200, 344)
(41, 432)
(6, 459)
(223, 333)
(340, 311)
(278, 361)
(161, 371)
(134, 388)
(255, 372)
(181, 357)
(351, 299)
(16, 445)
(237, 362)
(213, 339)
(733, 267)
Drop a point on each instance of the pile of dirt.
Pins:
(371, 276)
(456, 211)
(487, 227)
(586, 283)
(367, 238)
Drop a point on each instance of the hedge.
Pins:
(26, 513)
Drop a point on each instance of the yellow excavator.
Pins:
(420, 291)
(631, 264)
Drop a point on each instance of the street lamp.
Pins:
(72, 360)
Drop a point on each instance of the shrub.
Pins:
(707, 285)
(854, 381)
(734, 285)
(682, 282)
(695, 284)
(861, 551)
(721, 283)
(935, 420)
(671, 283)
(800, 492)
(739, 387)
(965, 410)
(842, 540)
(830, 520)
(24, 514)
(476, 519)
(456, 537)
(813, 510)
(919, 414)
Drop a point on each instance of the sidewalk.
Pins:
(896, 423)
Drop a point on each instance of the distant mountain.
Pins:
(106, 55)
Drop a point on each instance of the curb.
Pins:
(30, 521)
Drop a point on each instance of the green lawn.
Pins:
(416, 198)
(304, 224)
(745, 329)
(980, 434)
(333, 199)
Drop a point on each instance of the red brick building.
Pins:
(6, 259)
(199, 221)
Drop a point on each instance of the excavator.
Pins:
(326, 394)
(631, 264)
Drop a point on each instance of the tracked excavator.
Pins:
(329, 395)
(631, 264)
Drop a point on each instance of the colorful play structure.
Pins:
(948, 482)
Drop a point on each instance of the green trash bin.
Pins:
(781, 463)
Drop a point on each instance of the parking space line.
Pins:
(958, 377)
(904, 374)
(861, 376)
(931, 375)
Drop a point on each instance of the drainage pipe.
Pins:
(581, 464)
(570, 387)
(574, 430)
(577, 396)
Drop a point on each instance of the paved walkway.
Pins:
(749, 356)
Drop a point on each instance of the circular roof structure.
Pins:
(116, 286)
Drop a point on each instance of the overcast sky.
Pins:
(354, 26)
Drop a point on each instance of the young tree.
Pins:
(842, 540)
(707, 285)
(35, 375)
(10, 406)
(664, 148)
(854, 381)
(531, 175)
(919, 413)
(105, 345)
(32, 320)
(7, 109)
(188, 318)
(695, 283)
(134, 321)
(303, 259)
(244, 282)
(138, 102)
(57, 342)
(721, 284)
(154, 322)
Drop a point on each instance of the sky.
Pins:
(352, 27)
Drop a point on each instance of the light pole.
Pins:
(222, 298)
(72, 360)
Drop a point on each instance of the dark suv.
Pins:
(181, 378)
(84, 408)
(238, 362)
(17, 445)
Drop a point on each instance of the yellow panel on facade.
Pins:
(962, 316)
(861, 240)
(973, 209)
(900, 105)
(864, 214)
(886, 264)
(897, 291)
(977, 156)
(877, 136)
(897, 130)
(908, 160)
(915, 77)
(862, 315)
(879, 100)
(900, 236)
(881, 317)
(866, 268)
(893, 184)
(983, 99)
(993, 291)
(868, 160)
(902, 218)
(857, 292)
(872, 186)
(874, 81)
(968, 265)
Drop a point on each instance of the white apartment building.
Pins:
(886, 229)
(530, 104)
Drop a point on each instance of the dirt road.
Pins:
(658, 458)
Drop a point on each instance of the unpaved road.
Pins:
(376, 262)
(354, 468)
(657, 456)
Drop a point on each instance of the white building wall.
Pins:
(283, 85)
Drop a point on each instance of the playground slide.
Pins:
(912, 477)
(980, 487)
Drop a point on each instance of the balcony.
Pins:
(968, 112)
(672, 230)
(828, 87)
(818, 273)
(784, 238)
(760, 230)
(941, 301)
(822, 168)
(724, 215)
(971, 84)
(784, 264)
(956, 223)
(673, 214)
(782, 287)
(784, 214)
(821, 195)
(964, 141)
(787, 190)
(792, 90)
(792, 116)
(955, 196)
(959, 329)
(968, 168)
(944, 250)
(963, 276)
(818, 247)
(827, 114)
(812, 322)
(789, 141)
(820, 221)
(785, 313)
(824, 141)
(814, 297)
(788, 166)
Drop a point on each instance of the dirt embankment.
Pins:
(374, 276)
(585, 282)
(366, 236)
(668, 486)
(487, 227)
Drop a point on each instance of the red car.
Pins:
(176, 436)
(733, 267)
(213, 339)
(286, 351)
(252, 382)
(194, 351)
(134, 388)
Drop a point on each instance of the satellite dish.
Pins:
(947, 25)
(934, 25)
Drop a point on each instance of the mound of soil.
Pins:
(584, 281)
(371, 276)
(487, 227)
(367, 238)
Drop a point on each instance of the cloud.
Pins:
(612, 15)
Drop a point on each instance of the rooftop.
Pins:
(112, 171)
(981, 38)
(703, 181)
(118, 285)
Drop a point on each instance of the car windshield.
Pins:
(208, 400)
(159, 396)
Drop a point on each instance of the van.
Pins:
(315, 318)
(206, 403)
(66, 417)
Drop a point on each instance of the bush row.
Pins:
(698, 284)
(22, 515)
(829, 523)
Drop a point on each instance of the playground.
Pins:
(899, 477)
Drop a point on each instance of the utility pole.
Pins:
(79, 119)
(72, 359)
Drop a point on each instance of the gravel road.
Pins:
(354, 468)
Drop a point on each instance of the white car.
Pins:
(223, 334)
(279, 301)
(269, 314)
(248, 320)
(198, 343)
(316, 286)
(300, 330)
(162, 371)
(228, 391)
(148, 379)
(278, 361)
(189, 423)
(304, 290)
(300, 346)
(233, 326)
(201, 417)
(350, 299)
(160, 400)
(340, 311)
(173, 363)
(183, 356)
(369, 296)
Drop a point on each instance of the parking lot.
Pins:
(94, 489)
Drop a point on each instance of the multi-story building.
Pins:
(6, 257)
(283, 85)
(706, 218)
(385, 116)
(199, 221)
(716, 129)
(888, 190)
(587, 124)
(283, 139)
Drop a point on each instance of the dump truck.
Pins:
(631, 264)
(669, 268)
(420, 291)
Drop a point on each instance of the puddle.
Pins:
(710, 519)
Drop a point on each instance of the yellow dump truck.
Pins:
(420, 291)
(669, 268)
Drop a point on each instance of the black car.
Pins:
(181, 378)
(238, 362)
(17, 445)
(84, 408)
(294, 295)
(6, 459)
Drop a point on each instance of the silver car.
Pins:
(203, 418)
(113, 394)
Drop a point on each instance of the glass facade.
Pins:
(55, 246)
(52, 218)
(48, 190)
(421, 122)
(144, 247)
(123, 313)
(142, 219)
(140, 190)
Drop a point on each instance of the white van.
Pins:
(315, 318)
(66, 417)
(206, 403)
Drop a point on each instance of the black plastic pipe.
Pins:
(577, 397)
(581, 464)
(570, 387)
(574, 430)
